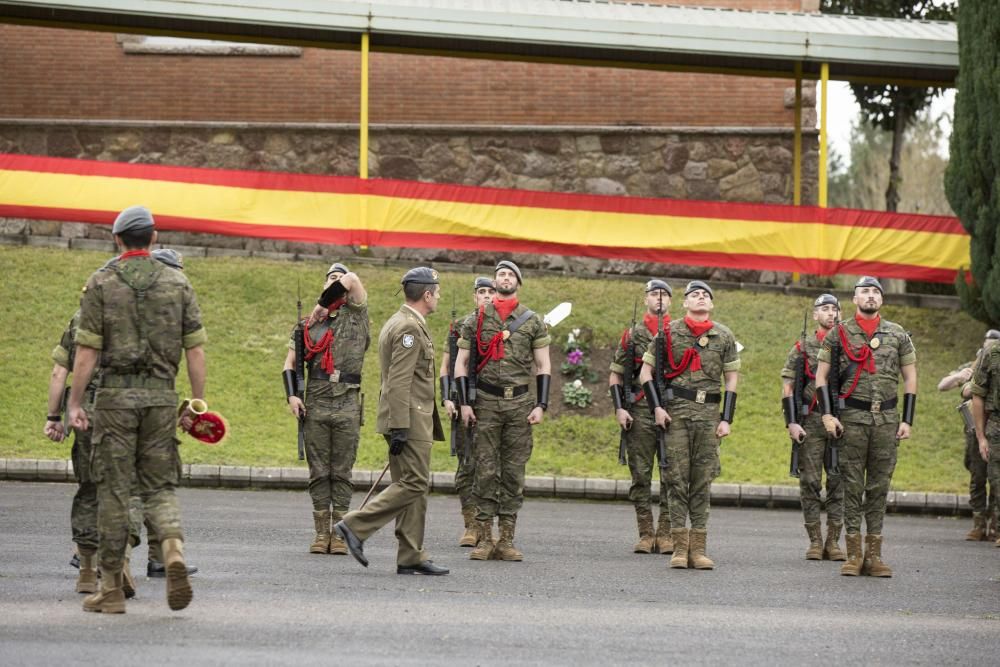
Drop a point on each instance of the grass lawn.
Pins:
(248, 307)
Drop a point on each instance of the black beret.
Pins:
(826, 300)
(421, 274)
(483, 281)
(336, 267)
(656, 284)
(507, 264)
(698, 284)
(869, 281)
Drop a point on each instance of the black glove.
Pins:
(397, 440)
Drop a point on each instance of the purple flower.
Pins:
(574, 357)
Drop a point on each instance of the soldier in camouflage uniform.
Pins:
(872, 354)
(465, 474)
(700, 355)
(985, 390)
(508, 340)
(335, 345)
(135, 320)
(981, 501)
(408, 418)
(807, 429)
(637, 422)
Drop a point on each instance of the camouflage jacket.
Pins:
(140, 314)
(641, 336)
(718, 356)
(64, 354)
(985, 381)
(515, 367)
(813, 345)
(351, 338)
(894, 350)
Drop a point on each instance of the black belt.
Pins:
(871, 406)
(509, 391)
(342, 378)
(696, 396)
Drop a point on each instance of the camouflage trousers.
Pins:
(693, 456)
(332, 428)
(979, 499)
(135, 449)
(641, 447)
(465, 473)
(503, 447)
(993, 466)
(811, 454)
(867, 461)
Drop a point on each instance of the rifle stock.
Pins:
(300, 370)
(798, 395)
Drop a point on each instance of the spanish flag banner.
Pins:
(379, 212)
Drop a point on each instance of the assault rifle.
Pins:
(831, 454)
(473, 374)
(628, 381)
(300, 375)
(801, 408)
(452, 356)
(662, 386)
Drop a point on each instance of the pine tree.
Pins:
(972, 181)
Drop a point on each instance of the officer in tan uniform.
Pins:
(408, 418)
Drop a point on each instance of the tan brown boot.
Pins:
(852, 567)
(644, 517)
(696, 550)
(815, 533)
(979, 528)
(471, 535)
(179, 592)
(679, 560)
(484, 547)
(86, 580)
(991, 525)
(831, 549)
(111, 598)
(321, 543)
(873, 565)
(128, 583)
(664, 543)
(337, 545)
(505, 549)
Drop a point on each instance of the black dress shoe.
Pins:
(427, 567)
(155, 569)
(354, 545)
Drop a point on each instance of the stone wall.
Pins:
(734, 165)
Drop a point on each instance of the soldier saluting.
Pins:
(636, 421)
(700, 356)
(806, 428)
(509, 339)
(873, 353)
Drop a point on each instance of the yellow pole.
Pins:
(824, 77)
(363, 158)
(797, 150)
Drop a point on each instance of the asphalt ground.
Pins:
(580, 596)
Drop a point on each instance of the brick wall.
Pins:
(53, 73)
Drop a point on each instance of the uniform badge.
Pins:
(703, 341)
(407, 340)
(875, 342)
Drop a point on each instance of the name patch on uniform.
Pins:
(407, 340)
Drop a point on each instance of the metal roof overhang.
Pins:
(582, 32)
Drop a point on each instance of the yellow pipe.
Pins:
(797, 145)
(363, 125)
(824, 77)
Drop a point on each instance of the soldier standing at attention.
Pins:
(807, 429)
(408, 418)
(873, 353)
(985, 389)
(700, 356)
(983, 504)
(637, 421)
(334, 347)
(136, 318)
(465, 475)
(508, 338)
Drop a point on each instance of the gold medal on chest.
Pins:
(703, 341)
(506, 334)
(875, 342)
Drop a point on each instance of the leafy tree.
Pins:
(888, 106)
(972, 181)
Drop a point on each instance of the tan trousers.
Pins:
(405, 500)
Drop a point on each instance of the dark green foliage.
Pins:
(972, 183)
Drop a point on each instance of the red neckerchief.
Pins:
(820, 335)
(324, 346)
(493, 349)
(861, 356)
(649, 319)
(689, 360)
(505, 307)
(868, 326)
(129, 254)
(696, 327)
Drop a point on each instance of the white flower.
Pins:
(576, 332)
(577, 383)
